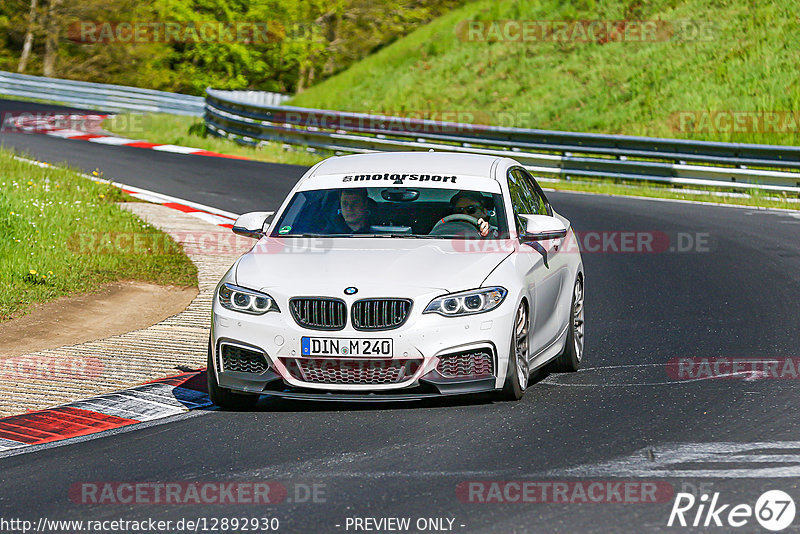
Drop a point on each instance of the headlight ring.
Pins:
(245, 300)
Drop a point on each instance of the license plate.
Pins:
(336, 346)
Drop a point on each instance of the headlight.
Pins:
(467, 302)
(246, 300)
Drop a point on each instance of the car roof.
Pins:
(445, 163)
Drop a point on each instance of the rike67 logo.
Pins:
(774, 510)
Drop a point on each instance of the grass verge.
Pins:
(754, 197)
(55, 229)
(712, 63)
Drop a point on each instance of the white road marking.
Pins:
(554, 380)
(66, 133)
(672, 459)
(7, 444)
(177, 149)
(113, 140)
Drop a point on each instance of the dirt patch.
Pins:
(115, 309)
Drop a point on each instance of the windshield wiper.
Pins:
(389, 235)
(314, 235)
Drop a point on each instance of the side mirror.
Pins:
(539, 227)
(252, 224)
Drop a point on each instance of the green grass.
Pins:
(749, 62)
(190, 131)
(755, 197)
(55, 228)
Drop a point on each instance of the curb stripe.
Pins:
(158, 399)
(218, 155)
(174, 148)
(34, 125)
(138, 144)
(86, 137)
(56, 424)
(6, 444)
(108, 140)
(180, 207)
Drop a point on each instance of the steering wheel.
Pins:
(459, 220)
(460, 217)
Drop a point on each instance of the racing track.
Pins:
(740, 299)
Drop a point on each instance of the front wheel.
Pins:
(517, 373)
(570, 359)
(222, 397)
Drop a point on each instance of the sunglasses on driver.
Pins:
(472, 209)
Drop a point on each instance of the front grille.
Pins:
(319, 313)
(380, 314)
(472, 364)
(235, 358)
(351, 371)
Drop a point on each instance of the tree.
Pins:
(28, 43)
(52, 31)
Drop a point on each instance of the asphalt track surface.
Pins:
(737, 297)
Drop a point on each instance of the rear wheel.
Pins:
(517, 373)
(222, 397)
(570, 359)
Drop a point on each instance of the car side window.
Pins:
(528, 202)
(542, 206)
(520, 202)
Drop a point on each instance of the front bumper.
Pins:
(272, 384)
(423, 339)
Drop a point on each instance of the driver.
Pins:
(354, 213)
(475, 205)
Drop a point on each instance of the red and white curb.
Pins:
(80, 127)
(209, 214)
(148, 402)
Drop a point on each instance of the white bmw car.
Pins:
(397, 276)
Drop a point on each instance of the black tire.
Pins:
(225, 398)
(513, 387)
(570, 358)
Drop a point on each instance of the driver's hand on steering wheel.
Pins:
(483, 227)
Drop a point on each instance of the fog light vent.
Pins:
(470, 364)
(243, 360)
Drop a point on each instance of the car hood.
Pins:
(325, 266)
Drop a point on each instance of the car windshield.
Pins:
(393, 212)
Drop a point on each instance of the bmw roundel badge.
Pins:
(350, 290)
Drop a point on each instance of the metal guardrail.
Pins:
(254, 98)
(102, 96)
(676, 161)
